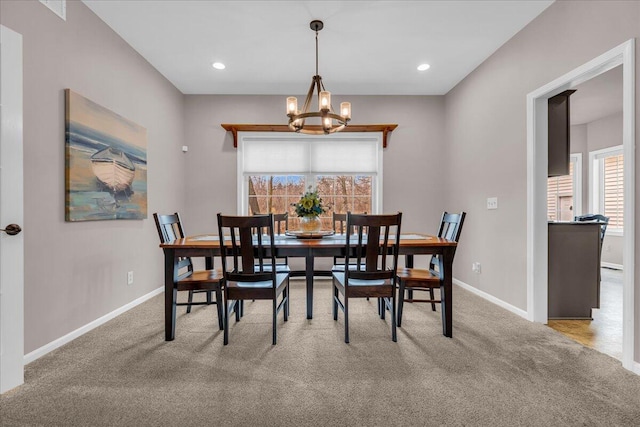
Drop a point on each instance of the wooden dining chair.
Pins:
(370, 275)
(416, 279)
(281, 225)
(340, 227)
(600, 219)
(249, 266)
(169, 229)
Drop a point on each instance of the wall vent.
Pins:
(59, 7)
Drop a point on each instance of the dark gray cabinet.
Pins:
(559, 134)
(574, 269)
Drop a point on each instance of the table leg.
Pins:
(446, 292)
(309, 277)
(169, 295)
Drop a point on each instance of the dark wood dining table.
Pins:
(208, 247)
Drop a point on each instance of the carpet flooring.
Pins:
(497, 370)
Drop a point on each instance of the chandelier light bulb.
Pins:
(325, 100)
(292, 105)
(345, 110)
(423, 67)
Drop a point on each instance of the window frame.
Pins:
(310, 176)
(596, 182)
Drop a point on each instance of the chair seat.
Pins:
(279, 268)
(418, 275)
(280, 278)
(204, 276)
(201, 280)
(358, 282)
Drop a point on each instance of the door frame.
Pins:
(11, 211)
(537, 163)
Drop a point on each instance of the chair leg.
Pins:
(381, 308)
(433, 304)
(400, 303)
(285, 300)
(346, 319)
(226, 320)
(209, 299)
(335, 303)
(394, 335)
(173, 312)
(238, 309)
(190, 300)
(220, 307)
(274, 320)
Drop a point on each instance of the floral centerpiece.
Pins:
(309, 208)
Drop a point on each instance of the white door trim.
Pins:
(537, 163)
(11, 211)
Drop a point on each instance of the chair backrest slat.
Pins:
(169, 229)
(376, 238)
(450, 229)
(251, 251)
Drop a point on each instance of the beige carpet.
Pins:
(497, 370)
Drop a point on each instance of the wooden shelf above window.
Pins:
(235, 128)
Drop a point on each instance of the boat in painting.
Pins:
(113, 168)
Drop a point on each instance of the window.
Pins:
(607, 180)
(275, 169)
(564, 193)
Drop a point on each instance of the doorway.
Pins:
(537, 161)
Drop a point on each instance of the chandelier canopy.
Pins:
(330, 122)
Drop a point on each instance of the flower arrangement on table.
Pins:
(309, 208)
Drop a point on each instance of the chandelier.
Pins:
(330, 122)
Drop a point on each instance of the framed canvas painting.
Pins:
(106, 163)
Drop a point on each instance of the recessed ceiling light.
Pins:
(218, 66)
(423, 67)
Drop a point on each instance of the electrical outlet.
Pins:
(130, 278)
(492, 203)
(476, 267)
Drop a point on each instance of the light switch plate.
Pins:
(492, 203)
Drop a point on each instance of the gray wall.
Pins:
(76, 272)
(486, 135)
(412, 159)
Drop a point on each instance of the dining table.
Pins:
(208, 247)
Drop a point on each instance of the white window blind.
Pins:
(607, 180)
(310, 156)
(614, 190)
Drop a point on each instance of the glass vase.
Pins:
(310, 224)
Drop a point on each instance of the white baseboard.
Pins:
(36, 354)
(611, 265)
(491, 298)
(635, 368)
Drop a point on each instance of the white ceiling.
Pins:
(366, 47)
